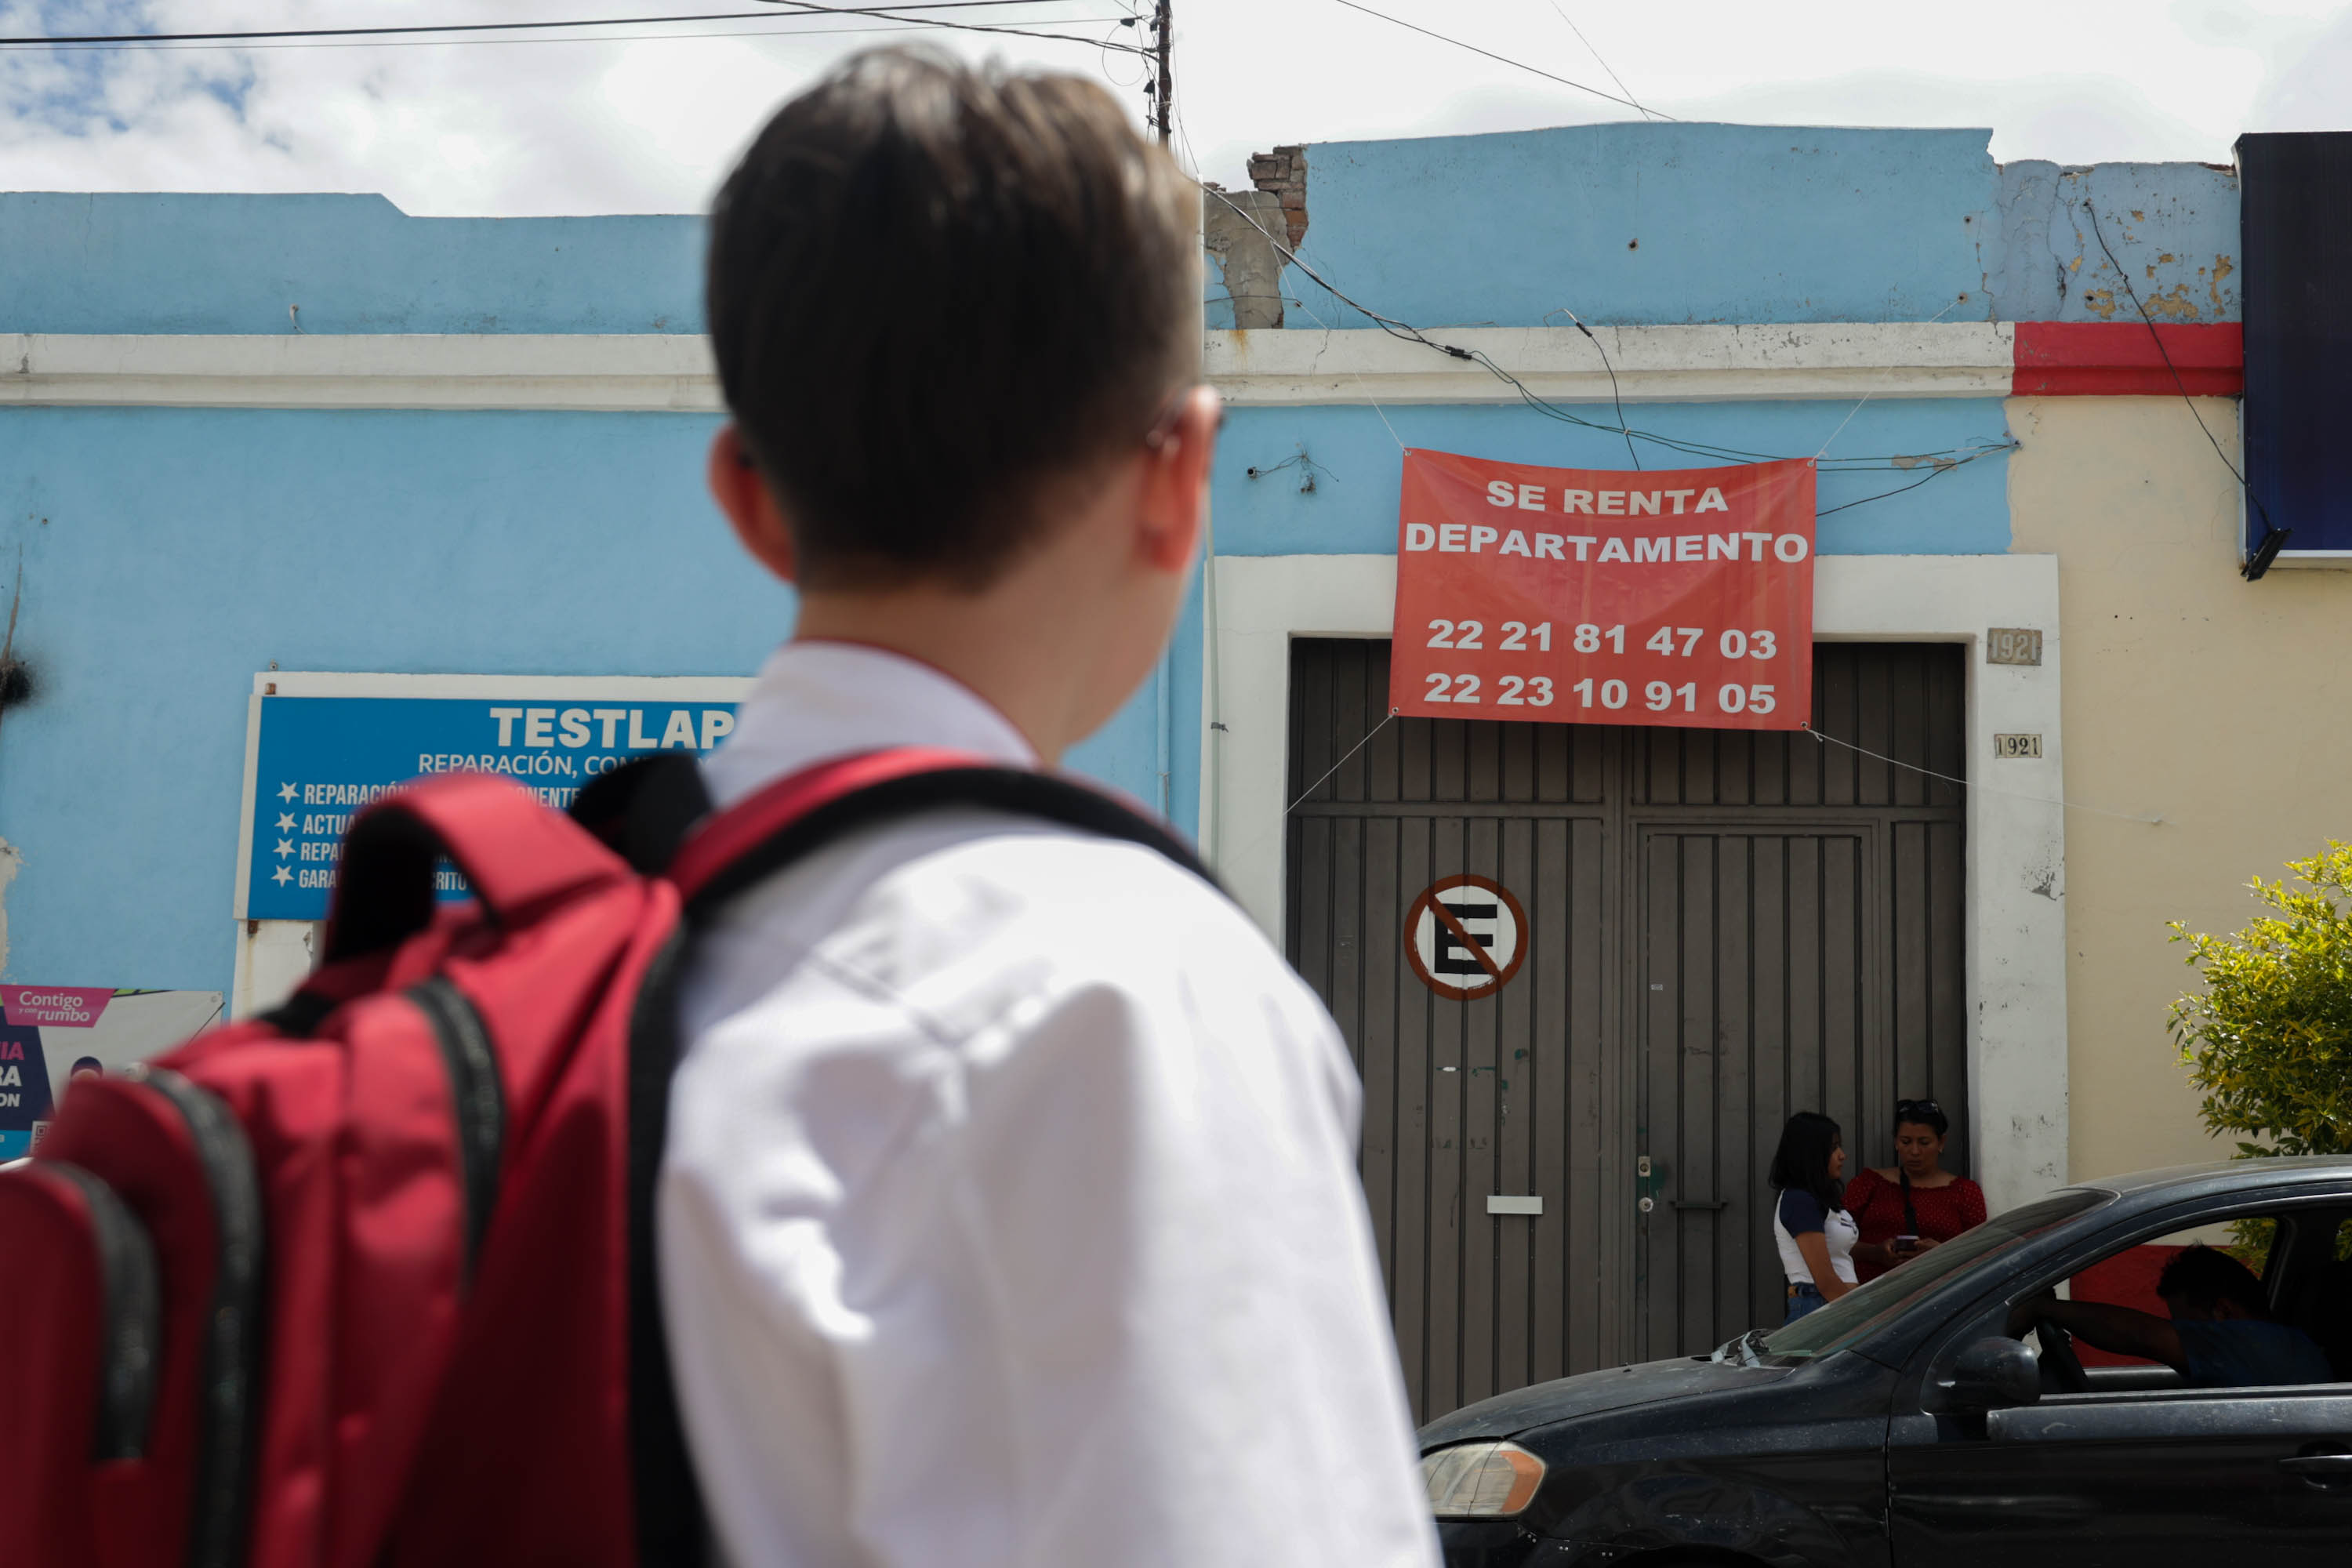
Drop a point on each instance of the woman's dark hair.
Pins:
(1802, 1163)
(1922, 1113)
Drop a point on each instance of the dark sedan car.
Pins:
(1900, 1427)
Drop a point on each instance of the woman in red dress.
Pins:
(1915, 1204)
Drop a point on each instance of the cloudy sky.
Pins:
(589, 120)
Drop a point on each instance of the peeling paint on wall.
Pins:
(2157, 218)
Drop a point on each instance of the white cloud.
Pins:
(648, 125)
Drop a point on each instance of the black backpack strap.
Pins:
(655, 812)
(644, 809)
(750, 843)
(670, 1522)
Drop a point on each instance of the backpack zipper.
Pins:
(232, 1331)
(130, 1319)
(477, 1098)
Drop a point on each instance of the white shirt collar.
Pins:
(816, 700)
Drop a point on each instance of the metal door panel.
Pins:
(1774, 879)
(1713, 1039)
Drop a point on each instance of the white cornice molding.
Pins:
(672, 373)
(1835, 359)
(620, 372)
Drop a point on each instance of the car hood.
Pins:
(1589, 1394)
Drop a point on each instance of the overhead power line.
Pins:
(1938, 462)
(1505, 59)
(1596, 55)
(2273, 537)
(793, 8)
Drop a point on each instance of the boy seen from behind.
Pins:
(1009, 1213)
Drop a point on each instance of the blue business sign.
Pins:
(317, 755)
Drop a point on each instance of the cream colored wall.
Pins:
(2190, 694)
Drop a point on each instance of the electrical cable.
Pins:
(1868, 395)
(1360, 380)
(1615, 397)
(1491, 55)
(2249, 570)
(1596, 55)
(800, 7)
(1412, 334)
(1914, 484)
(900, 30)
(1982, 788)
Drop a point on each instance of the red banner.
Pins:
(1596, 596)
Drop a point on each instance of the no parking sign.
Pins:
(1465, 936)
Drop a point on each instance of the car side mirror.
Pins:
(1993, 1375)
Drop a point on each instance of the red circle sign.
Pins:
(1465, 936)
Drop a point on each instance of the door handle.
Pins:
(2328, 1470)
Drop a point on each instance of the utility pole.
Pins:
(1163, 108)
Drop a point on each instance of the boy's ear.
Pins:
(1176, 480)
(743, 495)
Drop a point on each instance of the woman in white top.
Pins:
(1815, 1234)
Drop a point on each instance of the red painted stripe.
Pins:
(2120, 359)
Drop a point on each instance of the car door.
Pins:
(2139, 1473)
(2140, 1478)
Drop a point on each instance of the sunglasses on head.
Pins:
(1903, 1108)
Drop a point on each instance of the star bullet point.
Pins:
(285, 875)
(286, 792)
(285, 823)
(285, 846)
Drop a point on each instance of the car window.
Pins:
(2301, 1254)
(2127, 1278)
(1832, 1327)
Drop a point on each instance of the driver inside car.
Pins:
(2220, 1333)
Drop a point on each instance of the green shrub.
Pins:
(2269, 1039)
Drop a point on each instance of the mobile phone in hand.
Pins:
(1907, 1244)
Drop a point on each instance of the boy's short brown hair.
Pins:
(933, 290)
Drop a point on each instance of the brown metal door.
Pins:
(1721, 926)
(1752, 989)
(1517, 1094)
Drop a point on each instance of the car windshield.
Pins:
(1830, 1329)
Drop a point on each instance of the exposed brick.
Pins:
(1282, 172)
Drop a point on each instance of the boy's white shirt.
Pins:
(1010, 1211)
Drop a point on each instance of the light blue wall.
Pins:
(1649, 222)
(1353, 460)
(72, 263)
(169, 554)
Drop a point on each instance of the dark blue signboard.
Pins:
(318, 759)
(2297, 232)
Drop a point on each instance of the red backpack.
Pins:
(369, 1282)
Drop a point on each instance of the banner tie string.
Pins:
(1342, 762)
(1982, 788)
